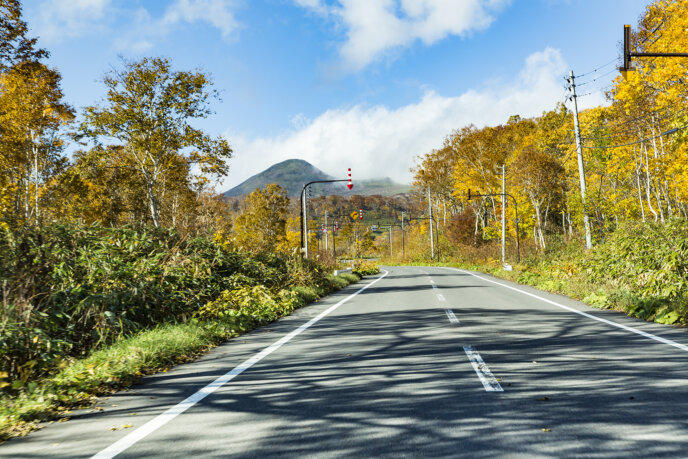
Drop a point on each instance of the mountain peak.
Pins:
(291, 175)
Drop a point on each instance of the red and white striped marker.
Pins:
(350, 185)
(360, 214)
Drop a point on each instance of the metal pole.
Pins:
(432, 244)
(305, 220)
(503, 215)
(302, 226)
(326, 241)
(518, 241)
(334, 242)
(403, 246)
(581, 168)
(391, 252)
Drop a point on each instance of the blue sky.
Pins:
(367, 84)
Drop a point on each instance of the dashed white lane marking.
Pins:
(584, 314)
(451, 316)
(490, 383)
(432, 281)
(440, 297)
(162, 419)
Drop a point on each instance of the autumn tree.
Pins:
(148, 110)
(32, 117)
(262, 225)
(15, 46)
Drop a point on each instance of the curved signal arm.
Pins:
(303, 192)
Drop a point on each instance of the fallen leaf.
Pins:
(114, 428)
(631, 397)
(64, 419)
(543, 399)
(546, 429)
(126, 426)
(154, 397)
(534, 362)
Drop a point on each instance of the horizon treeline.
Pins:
(634, 149)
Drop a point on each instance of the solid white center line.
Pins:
(451, 316)
(162, 419)
(486, 377)
(440, 297)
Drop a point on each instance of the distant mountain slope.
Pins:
(290, 174)
(293, 173)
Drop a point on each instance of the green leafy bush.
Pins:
(70, 289)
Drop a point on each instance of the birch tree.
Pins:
(148, 110)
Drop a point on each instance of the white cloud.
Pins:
(377, 28)
(218, 13)
(378, 141)
(60, 19)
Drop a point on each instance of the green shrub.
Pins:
(70, 289)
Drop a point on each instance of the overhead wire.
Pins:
(596, 78)
(597, 69)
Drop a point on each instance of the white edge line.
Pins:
(683, 347)
(451, 316)
(441, 297)
(154, 424)
(490, 383)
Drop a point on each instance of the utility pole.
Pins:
(503, 215)
(326, 242)
(391, 253)
(581, 168)
(432, 246)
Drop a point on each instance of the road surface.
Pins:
(415, 362)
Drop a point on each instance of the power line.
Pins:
(596, 78)
(598, 68)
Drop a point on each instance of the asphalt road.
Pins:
(424, 362)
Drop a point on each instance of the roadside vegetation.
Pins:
(89, 310)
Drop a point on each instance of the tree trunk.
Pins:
(640, 187)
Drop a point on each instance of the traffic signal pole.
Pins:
(304, 212)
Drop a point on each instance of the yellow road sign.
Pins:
(354, 215)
